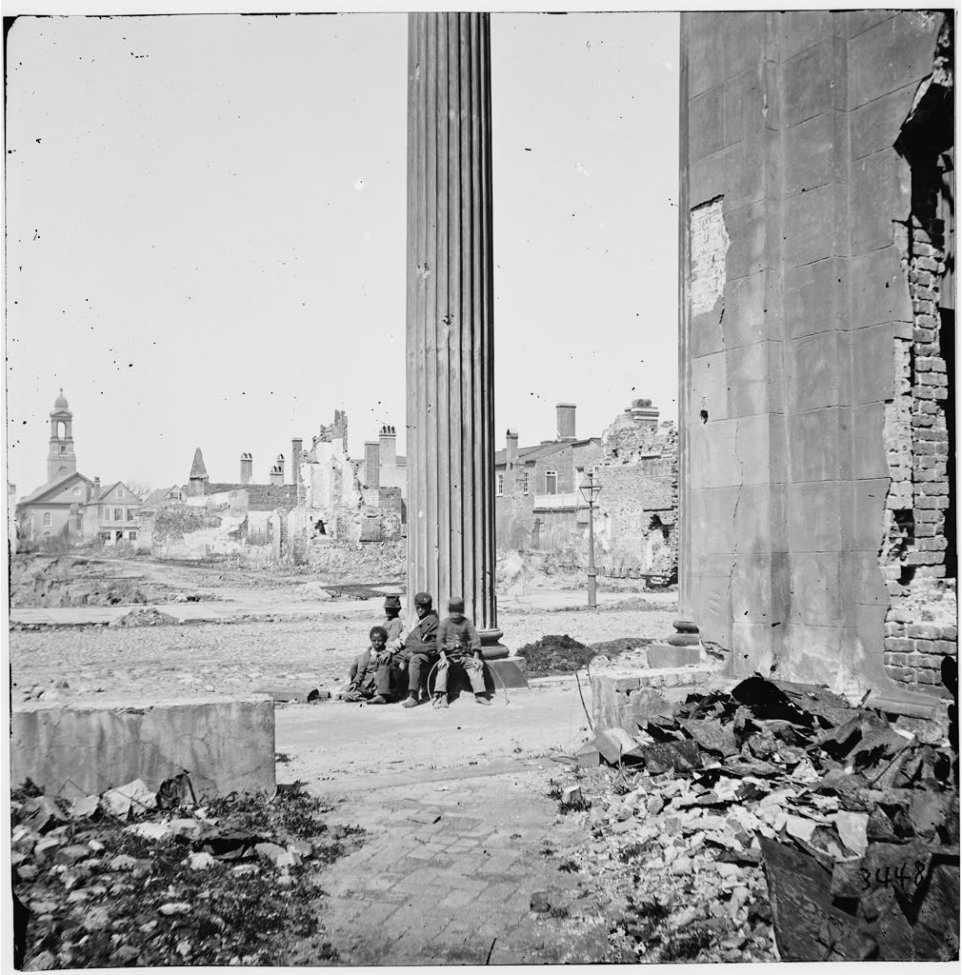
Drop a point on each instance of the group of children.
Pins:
(395, 667)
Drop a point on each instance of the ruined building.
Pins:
(318, 500)
(817, 344)
(70, 508)
(539, 504)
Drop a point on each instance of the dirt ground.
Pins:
(303, 635)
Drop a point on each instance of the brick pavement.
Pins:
(446, 874)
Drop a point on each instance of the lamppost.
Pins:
(590, 491)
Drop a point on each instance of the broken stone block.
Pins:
(540, 902)
(571, 795)
(663, 655)
(226, 743)
(615, 744)
(68, 855)
(588, 756)
(174, 907)
(151, 831)
(673, 756)
(270, 851)
(200, 861)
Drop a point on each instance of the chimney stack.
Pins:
(511, 448)
(247, 468)
(643, 412)
(96, 490)
(372, 464)
(388, 439)
(277, 471)
(296, 446)
(566, 421)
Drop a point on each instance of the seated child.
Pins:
(460, 646)
(363, 676)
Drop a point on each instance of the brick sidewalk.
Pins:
(446, 874)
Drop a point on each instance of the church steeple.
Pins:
(61, 458)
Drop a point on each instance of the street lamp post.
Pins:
(590, 491)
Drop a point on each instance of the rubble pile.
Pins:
(778, 817)
(145, 617)
(69, 580)
(554, 655)
(133, 877)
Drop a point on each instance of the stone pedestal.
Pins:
(450, 324)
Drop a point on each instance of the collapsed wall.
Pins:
(816, 519)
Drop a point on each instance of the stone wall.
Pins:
(802, 332)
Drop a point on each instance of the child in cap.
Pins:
(459, 646)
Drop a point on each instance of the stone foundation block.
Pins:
(665, 655)
(226, 744)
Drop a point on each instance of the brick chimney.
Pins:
(566, 421)
(95, 496)
(246, 468)
(297, 445)
(511, 448)
(644, 413)
(372, 463)
(277, 471)
(388, 440)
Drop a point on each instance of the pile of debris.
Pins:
(70, 580)
(145, 617)
(783, 794)
(133, 877)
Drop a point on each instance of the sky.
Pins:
(205, 223)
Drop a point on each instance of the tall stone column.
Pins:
(450, 324)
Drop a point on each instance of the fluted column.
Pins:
(450, 326)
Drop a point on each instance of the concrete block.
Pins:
(809, 227)
(815, 588)
(747, 369)
(753, 519)
(709, 381)
(746, 310)
(880, 292)
(747, 231)
(706, 123)
(811, 654)
(713, 520)
(665, 655)
(743, 42)
(705, 65)
(751, 647)
(711, 594)
(876, 125)
(862, 531)
(873, 358)
(869, 460)
(810, 153)
(808, 83)
(751, 592)
(813, 445)
(815, 298)
(894, 53)
(803, 29)
(814, 522)
(226, 744)
(882, 196)
(812, 372)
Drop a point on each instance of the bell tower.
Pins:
(61, 458)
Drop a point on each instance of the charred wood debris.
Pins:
(131, 877)
(774, 821)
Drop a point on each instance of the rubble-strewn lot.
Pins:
(137, 878)
(774, 821)
(166, 662)
(70, 580)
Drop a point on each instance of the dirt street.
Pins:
(311, 640)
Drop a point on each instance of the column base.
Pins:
(491, 646)
(502, 670)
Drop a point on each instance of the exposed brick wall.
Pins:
(920, 628)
